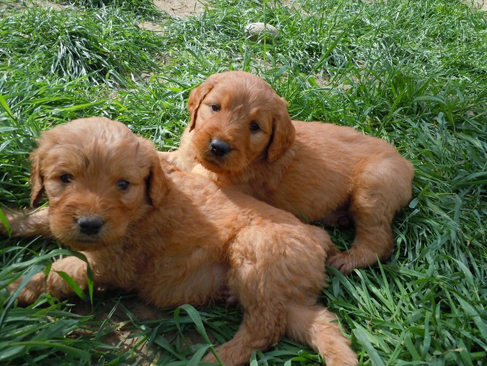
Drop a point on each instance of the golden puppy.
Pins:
(176, 238)
(241, 133)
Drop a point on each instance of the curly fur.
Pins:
(176, 237)
(317, 171)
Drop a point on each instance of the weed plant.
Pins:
(411, 72)
(142, 8)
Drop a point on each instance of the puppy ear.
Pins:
(156, 183)
(283, 131)
(36, 178)
(196, 97)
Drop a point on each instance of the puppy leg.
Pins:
(317, 327)
(262, 327)
(254, 333)
(255, 278)
(53, 284)
(271, 266)
(27, 224)
(381, 188)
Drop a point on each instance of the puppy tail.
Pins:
(317, 327)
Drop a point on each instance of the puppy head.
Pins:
(99, 178)
(236, 119)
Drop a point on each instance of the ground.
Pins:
(410, 72)
(180, 8)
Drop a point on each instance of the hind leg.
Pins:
(317, 327)
(260, 330)
(381, 188)
(373, 240)
(264, 320)
(271, 265)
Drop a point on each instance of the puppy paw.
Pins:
(343, 261)
(341, 354)
(226, 356)
(210, 358)
(344, 358)
(31, 292)
(357, 257)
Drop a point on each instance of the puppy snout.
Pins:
(90, 225)
(219, 148)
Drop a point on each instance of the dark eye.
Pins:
(66, 178)
(254, 126)
(215, 107)
(123, 185)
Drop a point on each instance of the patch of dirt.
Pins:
(48, 4)
(119, 331)
(175, 9)
(25, 4)
(179, 8)
(479, 4)
(150, 26)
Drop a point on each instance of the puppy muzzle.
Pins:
(219, 148)
(90, 225)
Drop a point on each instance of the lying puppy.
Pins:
(242, 135)
(176, 238)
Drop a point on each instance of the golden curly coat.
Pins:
(175, 238)
(241, 134)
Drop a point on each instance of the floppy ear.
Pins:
(36, 178)
(156, 183)
(283, 131)
(196, 97)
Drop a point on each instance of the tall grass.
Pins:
(141, 8)
(102, 45)
(411, 72)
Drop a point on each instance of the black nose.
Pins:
(219, 147)
(90, 225)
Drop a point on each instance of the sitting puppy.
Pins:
(241, 133)
(176, 238)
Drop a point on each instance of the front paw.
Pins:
(32, 290)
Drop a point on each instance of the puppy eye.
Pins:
(254, 126)
(123, 185)
(66, 178)
(215, 107)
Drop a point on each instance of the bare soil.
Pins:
(179, 8)
(480, 4)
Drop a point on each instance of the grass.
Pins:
(411, 72)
